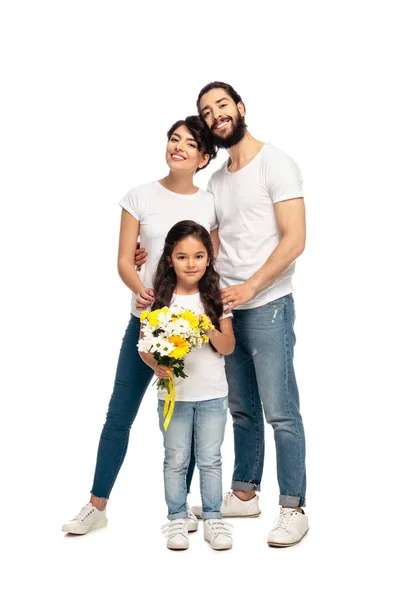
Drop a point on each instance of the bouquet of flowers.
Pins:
(169, 334)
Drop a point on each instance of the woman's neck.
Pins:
(179, 183)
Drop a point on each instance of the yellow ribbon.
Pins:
(169, 403)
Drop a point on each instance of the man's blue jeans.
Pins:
(131, 381)
(261, 375)
(205, 423)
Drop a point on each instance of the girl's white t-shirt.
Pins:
(205, 368)
(157, 210)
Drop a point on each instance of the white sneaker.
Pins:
(192, 521)
(89, 518)
(291, 526)
(232, 506)
(218, 533)
(176, 532)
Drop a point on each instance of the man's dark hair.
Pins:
(220, 84)
(200, 133)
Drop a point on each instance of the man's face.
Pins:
(224, 118)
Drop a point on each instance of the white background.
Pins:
(89, 91)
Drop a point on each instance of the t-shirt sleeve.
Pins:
(130, 202)
(226, 315)
(283, 178)
(214, 220)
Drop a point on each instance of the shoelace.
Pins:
(285, 519)
(227, 498)
(174, 527)
(83, 513)
(218, 526)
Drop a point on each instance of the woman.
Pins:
(151, 210)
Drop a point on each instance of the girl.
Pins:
(186, 276)
(150, 209)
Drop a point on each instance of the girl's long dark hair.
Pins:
(165, 278)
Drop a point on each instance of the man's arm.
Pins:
(290, 218)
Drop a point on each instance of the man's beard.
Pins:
(238, 131)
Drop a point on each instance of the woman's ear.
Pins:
(204, 162)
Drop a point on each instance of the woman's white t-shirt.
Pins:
(205, 368)
(157, 210)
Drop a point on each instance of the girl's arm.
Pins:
(224, 340)
(128, 236)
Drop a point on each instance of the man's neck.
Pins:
(243, 152)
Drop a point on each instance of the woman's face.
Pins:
(182, 153)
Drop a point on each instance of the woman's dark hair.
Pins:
(165, 278)
(200, 133)
(220, 84)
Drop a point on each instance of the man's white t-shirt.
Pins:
(247, 225)
(157, 210)
(205, 368)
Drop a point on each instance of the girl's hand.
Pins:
(162, 372)
(144, 298)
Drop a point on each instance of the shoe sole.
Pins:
(193, 528)
(82, 530)
(236, 516)
(177, 548)
(219, 548)
(278, 545)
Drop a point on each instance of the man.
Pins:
(260, 209)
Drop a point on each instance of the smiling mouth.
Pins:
(177, 157)
(221, 124)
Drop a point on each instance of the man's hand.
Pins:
(144, 298)
(237, 294)
(140, 257)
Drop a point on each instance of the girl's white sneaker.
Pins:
(89, 518)
(218, 533)
(176, 532)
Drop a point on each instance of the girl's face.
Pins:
(190, 261)
(182, 153)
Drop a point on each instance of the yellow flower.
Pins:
(205, 339)
(144, 314)
(182, 346)
(153, 317)
(206, 322)
(191, 317)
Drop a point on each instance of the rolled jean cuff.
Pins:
(292, 501)
(181, 515)
(211, 515)
(245, 486)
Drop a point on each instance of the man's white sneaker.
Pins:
(176, 532)
(89, 518)
(291, 526)
(218, 533)
(192, 521)
(232, 506)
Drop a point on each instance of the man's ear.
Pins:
(241, 109)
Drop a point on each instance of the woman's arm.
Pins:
(128, 236)
(224, 340)
(215, 241)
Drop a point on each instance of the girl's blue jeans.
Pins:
(204, 422)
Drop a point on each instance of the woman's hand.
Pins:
(144, 298)
(140, 257)
(161, 371)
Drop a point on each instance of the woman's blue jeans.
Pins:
(261, 377)
(131, 381)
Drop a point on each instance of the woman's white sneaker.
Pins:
(89, 518)
(290, 528)
(218, 533)
(176, 532)
(232, 506)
